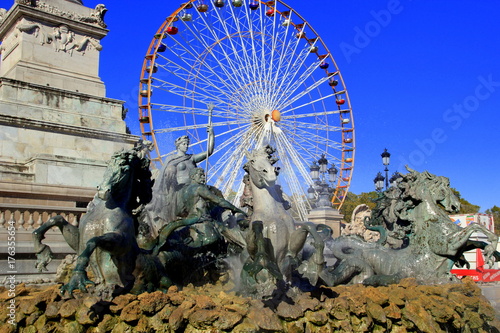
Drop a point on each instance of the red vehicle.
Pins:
(477, 269)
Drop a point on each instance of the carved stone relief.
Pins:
(95, 17)
(3, 13)
(61, 37)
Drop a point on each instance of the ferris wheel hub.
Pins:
(276, 115)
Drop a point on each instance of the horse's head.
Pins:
(260, 168)
(444, 195)
(126, 179)
(436, 189)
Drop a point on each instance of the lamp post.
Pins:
(395, 178)
(380, 181)
(386, 157)
(323, 178)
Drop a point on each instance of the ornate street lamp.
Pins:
(332, 174)
(386, 157)
(314, 171)
(395, 178)
(379, 182)
(323, 178)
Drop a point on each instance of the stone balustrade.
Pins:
(26, 218)
(30, 217)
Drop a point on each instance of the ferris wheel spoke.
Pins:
(282, 59)
(224, 63)
(298, 161)
(223, 115)
(209, 50)
(266, 51)
(186, 75)
(322, 98)
(196, 126)
(230, 164)
(313, 126)
(205, 98)
(257, 70)
(224, 144)
(228, 142)
(210, 87)
(292, 69)
(234, 31)
(312, 114)
(301, 83)
(292, 164)
(181, 53)
(309, 138)
(239, 65)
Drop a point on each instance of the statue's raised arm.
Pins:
(210, 140)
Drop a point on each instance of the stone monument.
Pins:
(57, 127)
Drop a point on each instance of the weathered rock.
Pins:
(176, 318)
(68, 309)
(108, 323)
(266, 319)
(27, 305)
(121, 301)
(397, 296)
(85, 315)
(340, 309)
(153, 302)
(345, 308)
(294, 327)
(376, 312)
(238, 308)
(440, 311)
(30, 320)
(473, 319)
(143, 325)
(203, 319)
(421, 318)
(309, 304)
(122, 327)
(74, 327)
(357, 304)
(165, 313)
(246, 327)
(227, 320)
(378, 295)
(131, 312)
(289, 312)
(364, 324)
(203, 302)
(318, 318)
(392, 311)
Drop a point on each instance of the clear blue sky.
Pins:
(423, 79)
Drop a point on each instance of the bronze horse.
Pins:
(108, 228)
(417, 209)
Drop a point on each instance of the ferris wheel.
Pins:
(271, 80)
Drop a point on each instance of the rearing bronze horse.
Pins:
(107, 229)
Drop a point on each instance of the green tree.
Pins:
(495, 211)
(465, 206)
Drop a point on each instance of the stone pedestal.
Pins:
(329, 216)
(53, 43)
